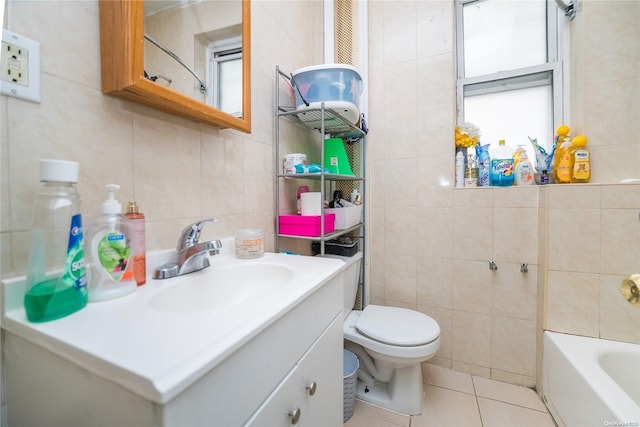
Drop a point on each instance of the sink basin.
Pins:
(222, 287)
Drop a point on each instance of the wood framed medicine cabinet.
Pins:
(122, 54)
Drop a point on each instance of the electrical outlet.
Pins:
(20, 67)
(15, 64)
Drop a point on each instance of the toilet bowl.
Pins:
(391, 343)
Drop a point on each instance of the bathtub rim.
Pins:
(585, 352)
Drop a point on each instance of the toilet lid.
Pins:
(397, 326)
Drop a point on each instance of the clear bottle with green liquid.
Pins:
(56, 275)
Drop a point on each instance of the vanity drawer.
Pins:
(320, 368)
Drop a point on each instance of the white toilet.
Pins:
(391, 343)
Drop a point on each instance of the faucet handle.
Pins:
(191, 233)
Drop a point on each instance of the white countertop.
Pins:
(156, 353)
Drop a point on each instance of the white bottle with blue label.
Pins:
(110, 255)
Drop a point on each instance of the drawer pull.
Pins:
(312, 388)
(295, 416)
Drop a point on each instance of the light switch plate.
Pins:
(20, 67)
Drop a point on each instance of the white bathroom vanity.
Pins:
(213, 348)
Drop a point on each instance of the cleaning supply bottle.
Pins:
(517, 155)
(484, 165)
(56, 277)
(459, 169)
(502, 165)
(544, 177)
(581, 160)
(108, 239)
(563, 162)
(524, 170)
(562, 132)
(138, 243)
(471, 172)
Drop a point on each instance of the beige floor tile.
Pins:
(376, 416)
(509, 393)
(447, 378)
(459, 399)
(363, 420)
(444, 407)
(500, 414)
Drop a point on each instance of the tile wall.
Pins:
(431, 244)
(177, 170)
(593, 237)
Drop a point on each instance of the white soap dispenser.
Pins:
(110, 267)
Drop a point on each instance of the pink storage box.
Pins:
(298, 225)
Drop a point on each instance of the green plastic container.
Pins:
(335, 157)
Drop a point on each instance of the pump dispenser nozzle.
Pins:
(111, 205)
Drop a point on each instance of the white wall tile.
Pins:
(435, 83)
(401, 183)
(399, 35)
(434, 232)
(573, 303)
(473, 233)
(513, 345)
(471, 338)
(435, 32)
(574, 240)
(620, 236)
(514, 293)
(472, 286)
(400, 279)
(435, 282)
(515, 235)
(399, 235)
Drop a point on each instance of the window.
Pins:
(225, 75)
(509, 72)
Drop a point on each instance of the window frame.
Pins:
(555, 65)
(216, 55)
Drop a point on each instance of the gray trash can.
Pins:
(350, 366)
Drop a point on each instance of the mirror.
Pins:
(147, 65)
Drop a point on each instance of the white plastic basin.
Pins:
(221, 287)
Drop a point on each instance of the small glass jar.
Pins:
(249, 243)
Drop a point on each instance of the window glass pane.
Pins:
(230, 86)
(514, 116)
(503, 35)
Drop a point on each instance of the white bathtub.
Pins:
(591, 382)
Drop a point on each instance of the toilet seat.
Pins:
(397, 326)
(407, 352)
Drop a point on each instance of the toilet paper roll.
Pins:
(311, 204)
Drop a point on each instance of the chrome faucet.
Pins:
(191, 255)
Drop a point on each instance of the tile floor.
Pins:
(457, 399)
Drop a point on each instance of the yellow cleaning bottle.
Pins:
(581, 171)
(563, 162)
(561, 133)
